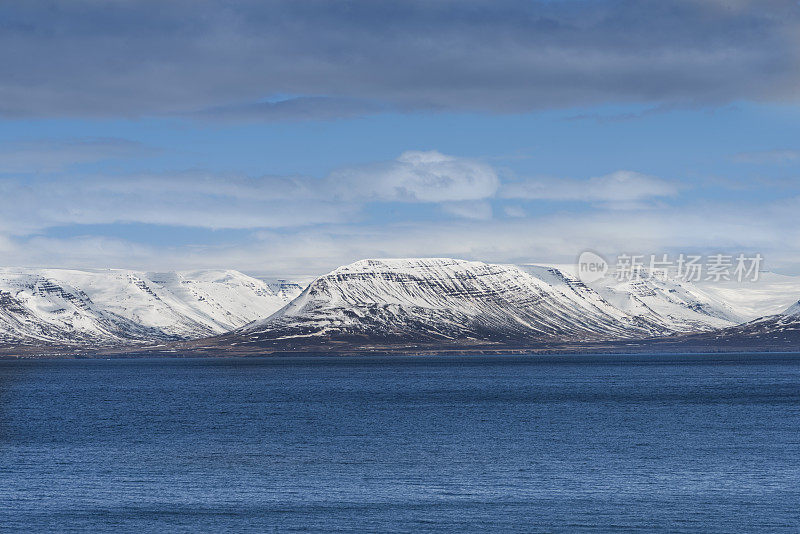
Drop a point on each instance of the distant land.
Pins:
(418, 305)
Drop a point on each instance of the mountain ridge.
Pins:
(443, 298)
(119, 306)
(371, 302)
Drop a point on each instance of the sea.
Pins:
(555, 443)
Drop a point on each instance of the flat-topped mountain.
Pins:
(404, 300)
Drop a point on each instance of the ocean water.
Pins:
(402, 444)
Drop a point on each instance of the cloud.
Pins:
(303, 225)
(293, 108)
(48, 155)
(181, 199)
(514, 211)
(557, 238)
(767, 156)
(225, 59)
(481, 211)
(417, 176)
(619, 189)
(233, 201)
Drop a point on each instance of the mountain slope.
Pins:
(36, 308)
(771, 294)
(773, 330)
(108, 306)
(779, 332)
(444, 299)
(793, 310)
(678, 305)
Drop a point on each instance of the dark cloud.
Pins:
(225, 59)
(293, 108)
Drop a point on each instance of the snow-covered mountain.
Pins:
(403, 300)
(793, 310)
(678, 305)
(771, 294)
(284, 289)
(773, 332)
(100, 306)
(442, 299)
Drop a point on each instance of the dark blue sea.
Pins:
(402, 444)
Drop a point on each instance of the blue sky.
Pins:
(285, 138)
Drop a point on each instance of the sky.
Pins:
(286, 138)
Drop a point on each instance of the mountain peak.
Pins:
(793, 310)
(400, 264)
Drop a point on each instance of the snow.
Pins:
(771, 294)
(443, 298)
(793, 310)
(425, 298)
(113, 304)
(678, 304)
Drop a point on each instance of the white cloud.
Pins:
(417, 177)
(203, 201)
(617, 187)
(208, 200)
(547, 239)
(316, 222)
(514, 211)
(469, 209)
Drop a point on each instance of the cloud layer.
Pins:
(33, 201)
(616, 188)
(461, 187)
(554, 238)
(281, 59)
(303, 225)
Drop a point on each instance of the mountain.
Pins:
(437, 302)
(793, 310)
(678, 305)
(771, 294)
(772, 332)
(406, 300)
(756, 311)
(117, 306)
(284, 289)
